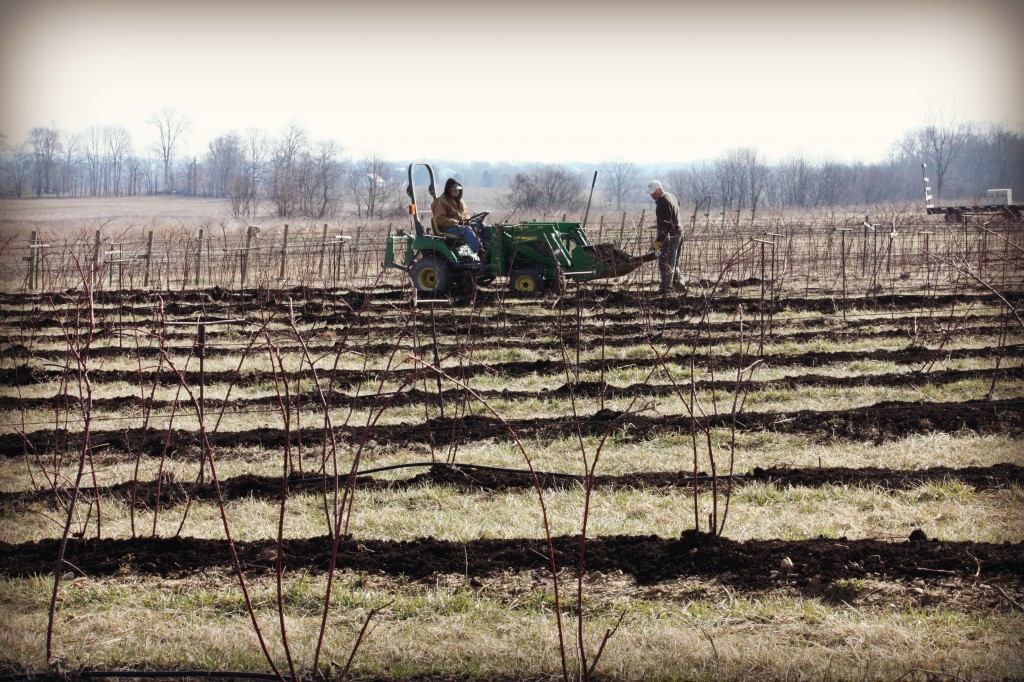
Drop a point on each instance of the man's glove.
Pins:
(657, 246)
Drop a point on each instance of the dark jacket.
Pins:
(447, 211)
(666, 211)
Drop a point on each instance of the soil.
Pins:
(24, 375)
(876, 423)
(909, 572)
(593, 389)
(748, 565)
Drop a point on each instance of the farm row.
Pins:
(723, 485)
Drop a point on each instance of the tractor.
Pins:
(533, 255)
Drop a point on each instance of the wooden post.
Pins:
(323, 249)
(30, 280)
(201, 352)
(864, 253)
(874, 260)
(96, 256)
(244, 265)
(335, 262)
(928, 264)
(355, 249)
(760, 347)
(339, 260)
(148, 257)
(643, 218)
(199, 259)
(842, 265)
(39, 262)
(982, 247)
(284, 249)
(774, 293)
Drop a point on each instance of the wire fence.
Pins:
(824, 254)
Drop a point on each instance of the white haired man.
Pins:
(666, 243)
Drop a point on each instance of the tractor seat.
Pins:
(453, 238)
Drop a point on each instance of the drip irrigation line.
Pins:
(128, 674)
(486, 342)
(810, 315)
(480, 467)
(774, 357)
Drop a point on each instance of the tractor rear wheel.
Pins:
(526, 281)
(431, 275)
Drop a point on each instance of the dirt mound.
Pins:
(752, 564)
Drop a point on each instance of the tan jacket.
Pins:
(447, 212)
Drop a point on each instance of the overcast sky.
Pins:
(551, 81)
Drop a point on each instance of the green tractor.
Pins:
(533, 255)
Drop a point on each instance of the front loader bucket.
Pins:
(609, 261)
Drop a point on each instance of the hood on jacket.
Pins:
(452, 182)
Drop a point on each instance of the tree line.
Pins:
(292, 175)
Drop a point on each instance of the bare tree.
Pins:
(136, 171)
(172, 125)
(285, 171)
(45, 144)
(548, 189)
(70, 144)
(224, 161)
(117, 142)
(320, 180)
(745, 173)
(620, 179)
(795, 179)
(370, 186)
(990, 159)
(939, 142)
(21, 166)
(694, 182)
(244, 187)
(92, 148)
(833, 180)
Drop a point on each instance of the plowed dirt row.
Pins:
(616, 306)
(24, 375)
(520, 339)
(875, 423)
(148, 494)
(751, 564)
(416, 396)
(514, 313)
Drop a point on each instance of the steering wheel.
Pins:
(478, 218)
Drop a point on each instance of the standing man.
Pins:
(450, 214)
(666, 243)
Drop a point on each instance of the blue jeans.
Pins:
(670, 276)
(466, 234)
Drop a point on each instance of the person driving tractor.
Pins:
(450, 215)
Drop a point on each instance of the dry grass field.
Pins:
(809, 467)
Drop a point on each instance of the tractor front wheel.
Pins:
(431, 275)
(526, 281)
